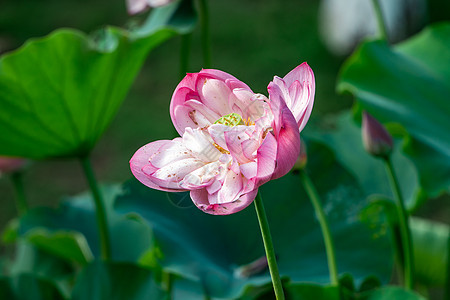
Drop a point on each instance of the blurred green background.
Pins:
(253, 40)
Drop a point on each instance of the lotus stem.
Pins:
(382, 31)
(405, 233)
(100, 209)
(322, 218)
(268, 246)
(185, 51)
(205, 36)
(21, 201)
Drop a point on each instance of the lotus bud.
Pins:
(377, 141)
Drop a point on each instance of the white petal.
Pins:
(202, 176)
(214, 187)
(249, 170)
(177, 170)
(201, 145)
(173, 151)
(231, 188)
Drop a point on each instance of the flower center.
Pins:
(230, 120)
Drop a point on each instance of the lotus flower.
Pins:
(137, 6)
(231, 140)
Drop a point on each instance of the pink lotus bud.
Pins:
(377, 141)
(11, 164)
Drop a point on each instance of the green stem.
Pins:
(268, 246)
(21, 201)
(447, 279)
(100, 209)
(404, 229)
(167, 281)
(380, 20)
(204, 25)
(185, 50)
(329, 247)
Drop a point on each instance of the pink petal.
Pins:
(184, 91)
(214, 187)
(191, 87)
(231, 188)
(237, 84)
(297, 88)
(217, 74)
(201, 145)
(200, 199)
(234, 139)
(286, 133)
(182, 118)
(266, 156)
(140, 162)
(249, 148)
(301, 73)
(249, 170)
(198, 106)
(215, 95)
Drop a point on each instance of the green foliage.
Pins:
(116, 281)
(312, 291)
(408, 85)
(46, 228)
(28, 287)
(69, 245)
(344, 136)
(59, 93)
(430, 240)
(392, 292)
(430, 251)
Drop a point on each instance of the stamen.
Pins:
(221, 149)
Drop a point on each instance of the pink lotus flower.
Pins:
(137, 6)
(232, 140)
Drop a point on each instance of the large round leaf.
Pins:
(409, 85)
(59, 93)
(217, 251)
